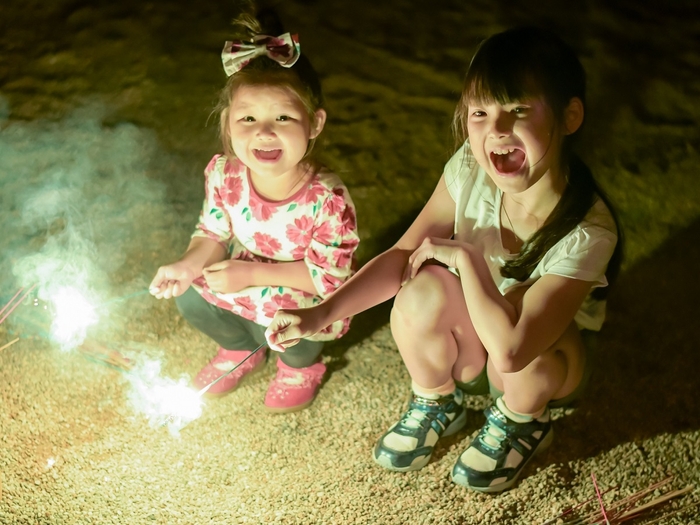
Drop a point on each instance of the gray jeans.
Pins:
(233, 332)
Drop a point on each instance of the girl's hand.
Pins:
(444, 251)
(228, 276)
(171, 280)
(290, 326)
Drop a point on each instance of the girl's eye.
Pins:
(284, 118)
(478, 113)
(520, 110)
(248, 118)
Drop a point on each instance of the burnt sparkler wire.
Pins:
(16, 304)
(204, 390)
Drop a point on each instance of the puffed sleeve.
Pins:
(331, 252)
(214, 221)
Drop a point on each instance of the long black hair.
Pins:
(531, 62)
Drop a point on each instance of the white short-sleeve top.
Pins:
(581, 254)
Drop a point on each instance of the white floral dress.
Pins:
(317, 225)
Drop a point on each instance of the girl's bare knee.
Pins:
(422, 299)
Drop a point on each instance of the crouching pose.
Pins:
(498, 281)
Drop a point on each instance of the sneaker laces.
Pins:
(492, 436)
(413, 418)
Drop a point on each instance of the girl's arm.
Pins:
(376, 282)
(513, 330)
(233, 275)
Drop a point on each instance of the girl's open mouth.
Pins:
(267, 155)
(508, 160)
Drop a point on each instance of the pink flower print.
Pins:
(231, 190)
(261, 211)
(300, 232)
(232, 166)
(327, 330)
(266, 244)
(348, 222)
(277, 47)
(218, 201)
(335, 204)
(299, 253)
(312, 193)
(318, 259)
(324, 233)
(211, 164)
(342, 257)
(213, 299)
(330, 283)
(247, 308)
(277, 302)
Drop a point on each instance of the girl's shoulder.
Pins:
(599, 217)
(596, 236)
(326, 185)
(328, 179)
(220, 164)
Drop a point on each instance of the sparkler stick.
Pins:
(9, 344)
(10, 301)
(204, 390)
(600, 499)
(17, 303)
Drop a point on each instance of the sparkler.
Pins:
(206, 388)
(187, 399)
(9, 344)
(624, 509)
(16, 304)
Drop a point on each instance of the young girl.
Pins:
(497, 281)
(277, 230)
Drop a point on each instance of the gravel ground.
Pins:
(103, 137)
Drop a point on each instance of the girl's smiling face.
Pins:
(270, 130)
(517, 143)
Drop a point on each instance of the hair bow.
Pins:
(283, 49)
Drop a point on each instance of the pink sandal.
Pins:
(293, 389)
(224, 361)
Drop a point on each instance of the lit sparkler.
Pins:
(73, 315)
(164, 401)
(176, 405)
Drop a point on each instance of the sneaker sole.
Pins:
(453, 428)
(258, 368)
(462, 480)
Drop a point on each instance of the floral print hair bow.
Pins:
(283, 49)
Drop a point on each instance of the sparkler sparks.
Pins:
(164, 401)
(73, 315)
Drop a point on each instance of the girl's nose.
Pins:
(266, 130)
(501, 125)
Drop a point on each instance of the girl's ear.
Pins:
(573, 116)
(318, 123)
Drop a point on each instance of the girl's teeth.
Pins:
(504, 151)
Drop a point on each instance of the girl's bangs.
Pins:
(504, 84)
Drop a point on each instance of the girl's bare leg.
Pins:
(553, 375)
(433, 331)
